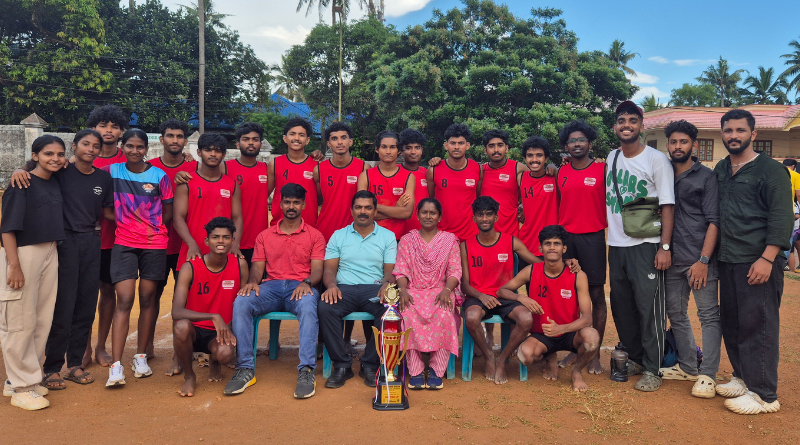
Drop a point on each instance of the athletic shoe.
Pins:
(8, 390)
(116, 375)
(734, 388)
(29, 400)
(241, 380)
(416, 382)
(434, 381)
(306, 383)
(751, 403)
(140, 367)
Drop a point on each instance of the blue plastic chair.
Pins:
(468, 349)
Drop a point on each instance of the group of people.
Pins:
(458, 239)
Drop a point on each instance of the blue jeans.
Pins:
(274, 296)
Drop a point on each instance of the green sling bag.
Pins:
(640, 218)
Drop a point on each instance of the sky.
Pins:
(675, 40)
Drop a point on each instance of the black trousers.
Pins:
(355, 298)
(76, 300)
(750, 318)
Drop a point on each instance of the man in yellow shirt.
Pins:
(791, 165)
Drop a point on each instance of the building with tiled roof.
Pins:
(778, 128)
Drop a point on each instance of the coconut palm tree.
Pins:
(765, 88)
(213, 18)
(651, 102)
(284, 84)
(793, 71)
(621, 57)
(722, 80)
(323, 4)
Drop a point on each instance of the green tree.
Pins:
(792, 72)
(49, 59)
(273, 128)
(651, 102)
(765, 88)
(690, 95)
(621, 57)
(284, 85)
(724, 82)
(323, 4)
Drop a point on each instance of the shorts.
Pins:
(590, 251)
(503, 310)
(105, 266)
(248, 256)
(202, 337)
(172, 265)
(130, 263)
(554, 344)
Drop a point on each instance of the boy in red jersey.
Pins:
(391, 184)
(499, 180)
(207, 195)
(456, 182)
(202, 307)
(412, 144)
(297, 167)
(582, 213)
(487, 262)
(538, 192)
(337, 180)
(561, 310)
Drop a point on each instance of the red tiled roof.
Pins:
(773, 117)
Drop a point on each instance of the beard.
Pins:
(681, 159)
(735, 151)
(249, 154)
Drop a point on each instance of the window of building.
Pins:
(706, 150)
(653, 143)
(765, 146)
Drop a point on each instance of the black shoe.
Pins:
(338, 377)
(306, 383)
(241, 379)
(368, 374)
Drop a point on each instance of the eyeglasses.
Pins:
(574, 140)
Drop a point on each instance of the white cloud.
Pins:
(642, 78)
(691, 62)
(399, 8)
(284, 36)
(648, 91)
(658, 59)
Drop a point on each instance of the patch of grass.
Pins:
(497, 422)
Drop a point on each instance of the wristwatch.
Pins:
(307, 281)
(665, 247)
(704, 259)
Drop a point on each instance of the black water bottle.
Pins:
(619, 364)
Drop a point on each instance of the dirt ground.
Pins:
(150, 410)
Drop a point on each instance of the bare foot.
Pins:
(478, 353)
(578, 384)
(500, 373)
(214, 371)
(595, 367)
(102, 357)
(188, 386)
(174, 368)
(489, 371)
(550, 368)
(568, 360)
(87, 359)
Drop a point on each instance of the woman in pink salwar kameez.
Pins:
(428, 271)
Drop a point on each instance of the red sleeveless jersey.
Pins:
(490, 267)
(583, 198)
(388, 190)
(302, 174)
(557, 296)
(540, 207)
(420, 193)
(338, 185)
(213, 292)
(175, 241)
(501, 184)
(254, 193)
(456, 190)
(207, 200)
(108, 228)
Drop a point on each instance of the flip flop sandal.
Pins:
(648, 382)
(83, 379)
(705, 387)
(676, 373)
(47, 381)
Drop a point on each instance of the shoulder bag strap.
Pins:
(614, 178)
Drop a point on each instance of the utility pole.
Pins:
(201, 11)
(340, 9)
(131, 6)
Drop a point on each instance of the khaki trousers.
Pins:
(27, 313)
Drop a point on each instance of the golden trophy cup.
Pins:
(390, 392)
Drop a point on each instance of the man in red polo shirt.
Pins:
(292, 252)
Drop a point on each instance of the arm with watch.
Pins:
(304, 288)
(664, 256)
(698, 273)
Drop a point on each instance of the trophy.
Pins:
(390, 392)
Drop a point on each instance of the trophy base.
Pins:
(392, 398)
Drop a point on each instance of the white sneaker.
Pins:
(116, 375)
(140, 367)
(29, 400)
(734, 388)
(8, 390)
(751, 403)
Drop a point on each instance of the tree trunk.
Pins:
(132, 6)
(201, 94)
